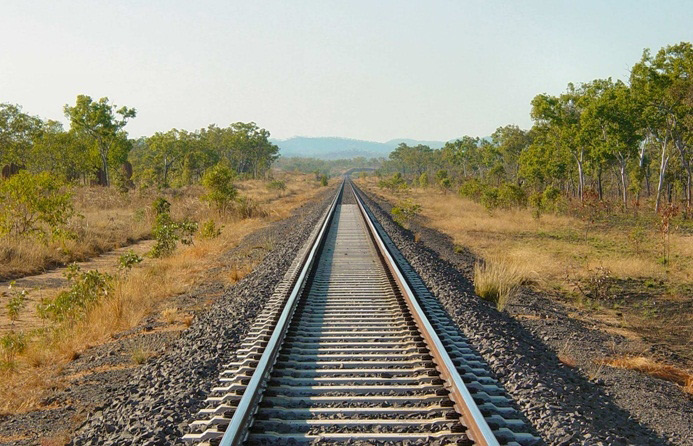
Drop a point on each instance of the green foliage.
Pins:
(128, 260)
(220, 188)
(323, 180)
(472, 189)
(167, 232)
(276, 185)
(423, 180)
(490, 198)
(209, 230)
(39, 204)
(511, 195)
(16, 302)
(395, 183)
(12, 344)
(86, 289)
(404, 212)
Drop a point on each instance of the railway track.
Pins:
(350, 350)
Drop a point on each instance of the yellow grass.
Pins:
(654, 368)
(143, 291)
(549, 246)
(497, 281)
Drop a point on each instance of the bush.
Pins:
(209, 230)
(423, 180)
(86, 289)
(276, 185)
(490, 198)
(168, 232)
(441, 176)
(323, 180)
(220, 189)
(511, 195)
(471, 189)
(394, 183)
(550, 198)
(128, 260)
(12, 344)
(16, 302)
(37, 204)
(404, 212)
(246, 207)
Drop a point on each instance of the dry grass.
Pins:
(550, 244)
(107, 219)
(143, 291)
(497, 281)
(654, 368)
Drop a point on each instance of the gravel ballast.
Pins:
(618, 407)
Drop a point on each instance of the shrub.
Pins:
(128, 260)
(550, 198)
(16, 302)
(423, 180)
(323, 180)
(404, 212)
(220, 189)
(168, 232)
(511, 195)
(86, 289)
(394, 183)
(276, 185)
(471, 189)
(38, 204)
(209, 230)
(246, 207)
(490, 198)
(12, 343)
(442, 178)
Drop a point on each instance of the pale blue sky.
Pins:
(361, 69)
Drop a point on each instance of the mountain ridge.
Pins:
(335, 147)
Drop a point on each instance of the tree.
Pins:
(220, 189)
(17, 132)
(663, 88)
(103, 123)
(511, 142)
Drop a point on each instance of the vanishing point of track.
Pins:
(345, 353)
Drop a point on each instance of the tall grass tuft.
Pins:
(498, 281)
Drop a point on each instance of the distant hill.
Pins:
(336, 148)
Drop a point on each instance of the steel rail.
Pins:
(237, 429)
(464, 403)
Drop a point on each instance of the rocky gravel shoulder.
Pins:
(581, 404)
(145, 386)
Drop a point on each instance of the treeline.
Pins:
(96, 148)
(602, 140)
(327, 167)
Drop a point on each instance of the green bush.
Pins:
(12, 343)
(128, 260)
(38, 204)
(511, 195)
(209, 230)
(276, 185)
(490, 198)
(17, 301)
(394, 183)
(168, 232)
(472, 189)
(550, 198)
(220, 188)
(323, 180)
(441, 176)
(86, 289)
(404, 212)
(423, 180)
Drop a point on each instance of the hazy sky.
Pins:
(361, 69)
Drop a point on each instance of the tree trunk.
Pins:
(599, 184)
(662, 172)
(104, 166)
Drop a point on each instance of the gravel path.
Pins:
(617, 407)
